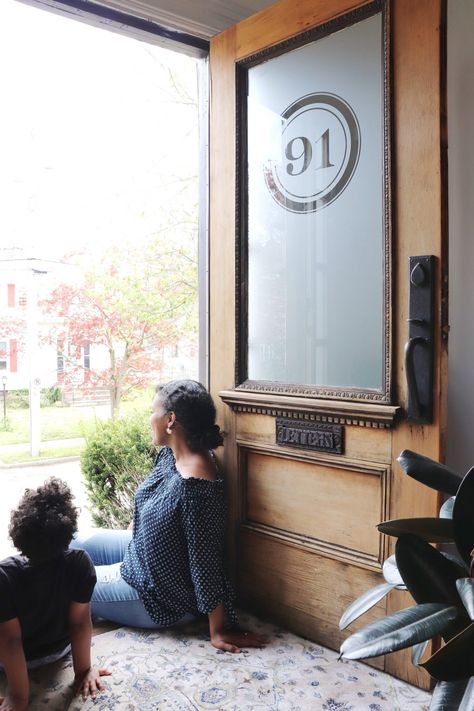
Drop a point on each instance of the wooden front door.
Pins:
(311, 463)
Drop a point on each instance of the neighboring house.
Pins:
(24, 282)
(25, 350)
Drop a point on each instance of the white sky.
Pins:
(89, 139)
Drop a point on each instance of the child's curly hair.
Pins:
(45, 520)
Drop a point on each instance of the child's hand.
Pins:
(89, 683)
(7, 705)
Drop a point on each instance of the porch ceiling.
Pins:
(201, 18)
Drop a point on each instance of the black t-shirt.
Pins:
(40, 595)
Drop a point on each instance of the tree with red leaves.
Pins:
(133, 301)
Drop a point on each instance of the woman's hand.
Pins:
(235, 640)
(89, 683)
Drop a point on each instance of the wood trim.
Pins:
(419, 145)
(356, 413)
(325, 29)
(319, 547)
(286, 19)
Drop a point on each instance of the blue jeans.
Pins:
(114, 599)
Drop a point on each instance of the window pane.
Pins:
(315, 212)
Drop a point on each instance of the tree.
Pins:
(134, 301)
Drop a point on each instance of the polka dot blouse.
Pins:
(175, 558)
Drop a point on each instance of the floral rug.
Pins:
(178, 670)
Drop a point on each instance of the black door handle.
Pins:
(413, 397)
(419, 349)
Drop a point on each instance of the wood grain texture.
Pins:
(316, 501)
(302, 591)
(419, 202)
(222, 256)
(286, 19)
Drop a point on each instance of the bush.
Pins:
(117, 457)
(51, 395)
(18, 399)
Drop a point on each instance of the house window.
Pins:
(3, 355)
(11, 295)
(87, 357)
(60, 357)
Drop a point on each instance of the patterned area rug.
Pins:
(178, 670)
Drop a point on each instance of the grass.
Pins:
(51, 453)
(63, 422)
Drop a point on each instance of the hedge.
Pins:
(117, 456)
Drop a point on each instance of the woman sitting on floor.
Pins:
(169, 567)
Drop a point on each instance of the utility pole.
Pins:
(33, 357)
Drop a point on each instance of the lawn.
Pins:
(63, 422)
(53, 453)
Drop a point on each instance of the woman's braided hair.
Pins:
(195, 411)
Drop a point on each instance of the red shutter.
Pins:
(13, 355)
(11, 295)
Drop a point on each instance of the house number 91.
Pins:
(322, 141)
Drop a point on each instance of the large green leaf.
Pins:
(402, 629)
(447, 695)
(364, 603)
(462, 568)
(418, 651)
(467, 703)
(446, 510)
(392, 574)
(465, 588)
(463, 517)
(428, 472)
(435, 530)
(455, 660)
(430, 576)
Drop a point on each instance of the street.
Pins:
(14, 481)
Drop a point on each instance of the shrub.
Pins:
(117, 457)
(18, 399)
(51, 395)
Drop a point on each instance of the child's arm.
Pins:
(86, 678)
(13, 659)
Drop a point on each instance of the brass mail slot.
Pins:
(309, 435)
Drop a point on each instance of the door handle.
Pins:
(413, 397)
(419, 355)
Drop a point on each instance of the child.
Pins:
(45, 595)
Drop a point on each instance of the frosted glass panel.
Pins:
(315, 212)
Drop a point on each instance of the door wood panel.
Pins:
(287, 583)
(325, 503)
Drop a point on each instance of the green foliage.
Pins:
(434, 579)
(51, 395)
(5, 425)
(18, 399)
(117, 457)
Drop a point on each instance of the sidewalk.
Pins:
(20, 453)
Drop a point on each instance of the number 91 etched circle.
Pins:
(320, 152)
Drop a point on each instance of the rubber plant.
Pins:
(441, 584)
